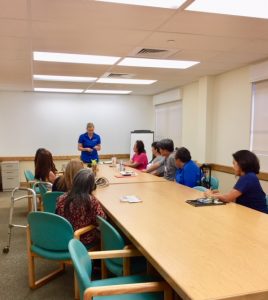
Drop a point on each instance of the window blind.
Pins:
(168, 122)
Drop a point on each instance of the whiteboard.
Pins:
(147, 137)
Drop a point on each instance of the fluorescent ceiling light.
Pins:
(173, 4)
(245, 8)
(64, 78)
(107, 92)
(157, 63)
(52, 90)
(125, 81)
(75, 58)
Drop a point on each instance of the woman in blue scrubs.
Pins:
(89, 144)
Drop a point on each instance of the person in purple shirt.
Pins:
(247, 191)
(139, 159)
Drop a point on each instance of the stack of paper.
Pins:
(130, 199)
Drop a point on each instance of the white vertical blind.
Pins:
(259, 127)
(168, 122)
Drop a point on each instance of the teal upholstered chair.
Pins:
(267, 200)
(111, 239)
(214, 183)
(200, 188)
(29, 176)
(48, 236)
(50, 200)
(135, 287)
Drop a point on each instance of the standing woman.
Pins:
(139, 159)
(89, 144)
(247, 190)
(45, 169)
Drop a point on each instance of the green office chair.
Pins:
(50, 200)
(48, 236)
(200, 188)
(136, 287)
(111, 239)
(29, 176)
(214, 183)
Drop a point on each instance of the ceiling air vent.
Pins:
(152, 52)
(118, 75)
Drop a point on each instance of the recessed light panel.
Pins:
(125, 81)
(157, 63)
(64, 78)
(52, 90)
(245, 8)
(107, 92)
(172, 4)
(75, 58)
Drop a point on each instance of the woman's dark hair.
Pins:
(44, 164)
(83, 186)
(247, 161)
(166, 144)
(38, 151)
(140, 146)
(156, 146)
(183, 154)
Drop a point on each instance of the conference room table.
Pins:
(204, 253)
(114, 177)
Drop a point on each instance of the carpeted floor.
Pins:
(13, 265)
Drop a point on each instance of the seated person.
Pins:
(45, 169)
(64, 183)
(157, 158)
(188, 172)
(166, 147)
(139, 159)
(80, 207)
(247, 191)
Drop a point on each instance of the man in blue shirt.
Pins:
(188, 172)
(89, 143)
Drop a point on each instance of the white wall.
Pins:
(231, 115)
(55, 121)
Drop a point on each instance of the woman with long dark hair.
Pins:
(139, 159)
(247, 191)
(45, 169)
(80, 207)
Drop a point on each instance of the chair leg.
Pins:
(76, 288)
(168, 293)
(104, 271)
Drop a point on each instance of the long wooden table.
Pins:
(218, 252)
(114, 177)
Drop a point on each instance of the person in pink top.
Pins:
(139, 159)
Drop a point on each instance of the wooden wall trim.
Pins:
(61, 157)
(230, 170)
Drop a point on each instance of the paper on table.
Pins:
(130, 199)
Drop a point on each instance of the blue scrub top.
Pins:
(189, 174)
(88, 142)
(253, 195)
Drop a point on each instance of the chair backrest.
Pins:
(29, 176)
(214, 183)
(50, 231)
(111, 239)
(50, 200)
(44, 187)
(82, 264)
(200, 188)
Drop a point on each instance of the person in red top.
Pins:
(139, 159)
(80, 207)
